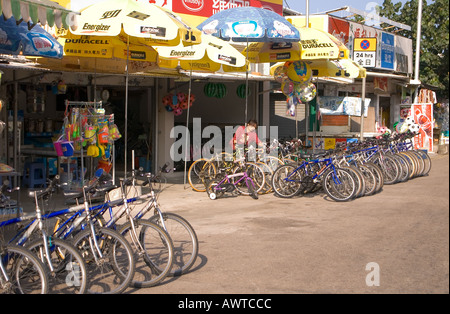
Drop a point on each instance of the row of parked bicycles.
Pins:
(125, 240)
(345, 173)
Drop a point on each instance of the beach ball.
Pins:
(299, 71)
(307, 92)
(415, 128)
(280, 74)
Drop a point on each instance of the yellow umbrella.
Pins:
(343, 68)
(211, 55)
(102, 54)
(146, 23)
(314, 44)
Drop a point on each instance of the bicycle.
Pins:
(21, 272)
(108, 256)
(288, 180)
(65, 266)
(240, 180)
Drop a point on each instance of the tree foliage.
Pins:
(434, 58)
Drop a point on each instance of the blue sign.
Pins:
(387, 48)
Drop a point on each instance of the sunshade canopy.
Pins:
(210, 55)
(148, 23)
(249, 24)
(42, 11)
(314, 44)
(341, 68)
(17, 39)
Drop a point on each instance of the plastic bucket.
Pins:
(67, 148)
(58, 148)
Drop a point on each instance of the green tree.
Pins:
(434, 44)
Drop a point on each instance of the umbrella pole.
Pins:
(126, 106)
(187, 147)
(246, 90)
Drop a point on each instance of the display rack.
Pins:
(84, 127)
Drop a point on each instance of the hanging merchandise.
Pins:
(287, 87)
(240, 91)
(280, 74)
(221, 90)
(291, 106)
(178, 112)
(114, 133)
(307, 92)
(210, 90)
(167, 100)
(299, 71)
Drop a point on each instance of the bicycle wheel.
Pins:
(369, 180)
(389, 168)
(154, 250)
(113, 271)
(286, 181)
(200, 170)
(184, 240)
(339, 185)
(425, 158)
(26, 273)
(255, 173)
(378, 175)
(405, 169)
(268, 177)
(69, 274)
(359, 180)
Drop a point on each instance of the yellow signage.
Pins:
(365, 44)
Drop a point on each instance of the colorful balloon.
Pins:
(308, 92)
(299, 71)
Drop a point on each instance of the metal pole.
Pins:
(418, 39)
(188, 147)
(363, 106)
(246, 90)
(126, 106)
(307, 13)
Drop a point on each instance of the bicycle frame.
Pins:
(243, 175)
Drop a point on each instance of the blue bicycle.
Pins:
(291, 179)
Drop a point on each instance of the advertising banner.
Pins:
(206, 8)
(387, 51)
(339, 29)
(423, 115)
(350, 106)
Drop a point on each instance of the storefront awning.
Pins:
(45, 12)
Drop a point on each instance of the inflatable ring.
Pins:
(181, 97)
(167, 100)
(178, 111)
(192, 99)
(184, 105)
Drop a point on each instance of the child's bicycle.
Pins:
(240, 180)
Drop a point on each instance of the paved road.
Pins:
(315, 245)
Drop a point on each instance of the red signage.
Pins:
(339, 29)
(206, 8)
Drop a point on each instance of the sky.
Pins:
(319, 6)
(315, 6)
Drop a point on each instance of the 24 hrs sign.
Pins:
(364, 52)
